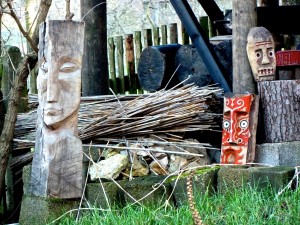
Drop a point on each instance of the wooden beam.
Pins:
(244, 17)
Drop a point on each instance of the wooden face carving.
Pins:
(59, 78)
(236, 131)
(260, 50)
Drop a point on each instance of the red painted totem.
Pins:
(236, 129)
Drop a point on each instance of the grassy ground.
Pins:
(243, 207)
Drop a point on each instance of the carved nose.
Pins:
(265, 59)
(52, 88)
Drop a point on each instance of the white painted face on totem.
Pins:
(260, 50)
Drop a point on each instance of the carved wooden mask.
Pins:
(59, 78)
(260, 50)
(236, 132)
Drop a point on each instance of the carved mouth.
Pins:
(52, 112)
(266, 71)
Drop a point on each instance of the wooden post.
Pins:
(95, 79)
(147, 34)
(130, 64)
(244, 17)
(203, 20)
(164, 35)
(156, 36)
(57, 161)
(185, 36)
(112, 64)
(138, 51)
(280, 110)
(120, 62)
(156, 67)
(191, 66)
(173, 33)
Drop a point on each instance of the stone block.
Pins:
(96, 196)
(234, 177)
(203, 182)
(40, 210)
(279, 154)
(276, 177)
(142, 186)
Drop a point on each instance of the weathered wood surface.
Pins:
(243, 17)
(57, 162)
(280, 110)
(95, 79)
(130, 63)
(191, 68)
(120, 62)
(112, 64)
(156, 67)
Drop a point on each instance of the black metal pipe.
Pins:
(200, 41)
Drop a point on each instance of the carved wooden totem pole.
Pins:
(57, 162)
(260, 50)
(239, 124)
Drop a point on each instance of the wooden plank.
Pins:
(280, 110)
(138, 51)
(130, 63)
(112, 64)
(120, 63)
(244, 17)
(185, 36)
(164, 34)
(173, 33)
(156, 39)
(147, 35)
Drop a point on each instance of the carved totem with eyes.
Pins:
(57, 162)
(260, 51)
(236, 129)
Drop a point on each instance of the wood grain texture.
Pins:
(57, 162)
(280, 103)
(243, 17)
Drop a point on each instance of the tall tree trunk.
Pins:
(11, 116)
(95, 64)
(19, 82)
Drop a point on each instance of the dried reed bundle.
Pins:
(188, 108)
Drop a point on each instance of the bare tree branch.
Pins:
(13, 15)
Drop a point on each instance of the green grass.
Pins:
(240, 207)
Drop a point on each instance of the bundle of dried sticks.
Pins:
(188, 108)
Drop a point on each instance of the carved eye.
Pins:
(226, 124)
(68, 67)
(244, 124)
(258, 55)
(271, 53)
(44, 66)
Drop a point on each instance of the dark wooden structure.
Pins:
(156, 67)
(95, 62)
